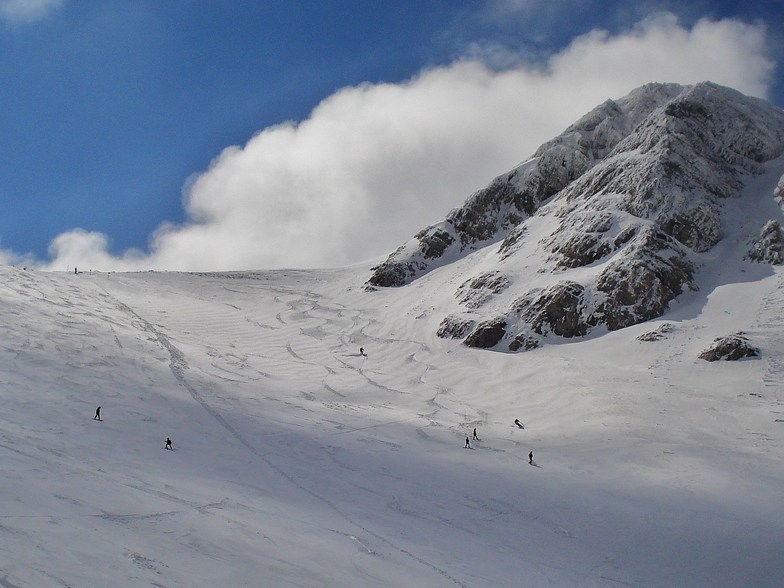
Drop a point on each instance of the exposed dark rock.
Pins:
(473, 293)
(582, 238)
(434, 243)
(639, 286)
(686, 109)
(487, 334)
(582, 249)
(483, 214)
(493, 281)
(656, 334)
(730, 348)
(557, 310)
(523, 342)
(454, 327)
(699, 228)
(769, 247)
(625, 236)
(393, 274)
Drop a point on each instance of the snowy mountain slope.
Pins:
(610, 220)
(489, 214)
(298, 462)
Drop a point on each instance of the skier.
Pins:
(467, 445)
(475, 437)
(97, 414)
(362, 352)
(519, 424)
(76, 271)
(531, 457)
(168, 444)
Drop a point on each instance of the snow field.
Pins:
(299, 463)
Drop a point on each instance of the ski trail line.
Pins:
(178, 366)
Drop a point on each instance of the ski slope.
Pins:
(298, 462)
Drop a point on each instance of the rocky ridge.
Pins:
(610, 218)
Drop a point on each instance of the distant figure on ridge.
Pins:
(531, 457)
(168, 444)
(519, 424)
(76, 271)
(475, 437)
(467, 445)
(97, 416)
(362, 352)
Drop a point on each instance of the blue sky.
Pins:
(146, 133)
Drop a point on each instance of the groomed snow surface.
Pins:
(298, 462)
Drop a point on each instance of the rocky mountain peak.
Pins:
(609, 218)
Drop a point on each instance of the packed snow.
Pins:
(299, 462)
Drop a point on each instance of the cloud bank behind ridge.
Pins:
(375, 163)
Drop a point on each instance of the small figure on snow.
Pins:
(362, 352)
(76, 271)
(475, 437)
(97, 416)
(531, 457)
(168, 444)
(519, 424)
(467, 445)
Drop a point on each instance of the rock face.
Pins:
(730, 348)
(609, 218)
(769, 247)
(488, 334)
(516, 195)
(557, 310)
(657, 334)
(474, 293)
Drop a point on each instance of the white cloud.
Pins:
(88, 250)
(26, 11)
(375, 163)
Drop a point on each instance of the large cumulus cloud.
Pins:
(375, 163)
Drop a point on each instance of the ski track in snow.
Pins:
(303, 463)
(179, 367)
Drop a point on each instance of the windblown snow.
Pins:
(298, 462)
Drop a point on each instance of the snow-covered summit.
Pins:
(611, 220)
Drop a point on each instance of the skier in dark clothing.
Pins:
(531, 457)
(467, 445)
(475, 437)
(518, 423)
(362, 352)
(168, 444)
(97, 414)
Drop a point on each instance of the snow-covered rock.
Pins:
(730, 348)
(611, 219)
(769, 247)
(657, 334)
(512, 197)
